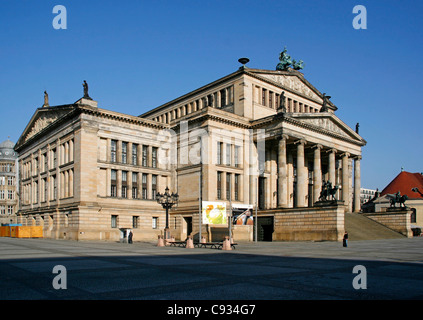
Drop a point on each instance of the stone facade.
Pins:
(91, 173)
(396, 219)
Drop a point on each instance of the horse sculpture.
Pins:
(397, 198)
(328, 191)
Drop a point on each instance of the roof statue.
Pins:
(85, 85)
(45, 99)
(324, 107)
(282, 107)
(285, 62)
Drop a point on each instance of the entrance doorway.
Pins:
(261, 195)
(265, 229)
(188, 224)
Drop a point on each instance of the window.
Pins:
(154, 186)
(124, 151)
(236, 187)
(10, 209)
(134, 185)
(222, 98)
(1, 194)
(113, 147)
(144, 186)
(2, 210)
(54, 182)
(44, 157)
(228, 186)
(113, 187)
(270, 99)
(54, 157)
(124, 184)
(135, 221)
(219, 152)
(219, 185)
(155, 222)
(144, 156)
(236, 156)
(114, 221)
(263, 97)
(228, 154)
(134, 154)
(154, 157)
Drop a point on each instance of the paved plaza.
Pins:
(97, 270)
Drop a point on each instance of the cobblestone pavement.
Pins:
(393, 269)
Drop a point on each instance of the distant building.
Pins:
(366, 195)
(403, 183)
(8, 182)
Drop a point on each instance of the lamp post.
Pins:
(167, 200)
(415, 189)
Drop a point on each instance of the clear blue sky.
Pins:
(136, 55)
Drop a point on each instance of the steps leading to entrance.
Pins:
(360, 227)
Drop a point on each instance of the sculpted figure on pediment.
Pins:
(40, 124)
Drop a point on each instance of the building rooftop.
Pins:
(403, 183)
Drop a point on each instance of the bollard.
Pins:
(226, 244)
(160, 242)
(190, 243)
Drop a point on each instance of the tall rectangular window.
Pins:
(124, 151)
(263, 97)
(114, 221)
(134, 154)
(124, 184)
(228, 186)
(236, 156)
(135, 222)
(113, 149)
(144, 186)
(113, 184)
(153, 186)
(154, 157)
(236, 187)
(219, 152)
(219, 185)
(145, 156)
(228, 154)
(222, 98)
(54, 182)
(155, 222)
(134, 185)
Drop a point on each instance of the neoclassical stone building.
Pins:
(253, 137)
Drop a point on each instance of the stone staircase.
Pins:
(360, 227)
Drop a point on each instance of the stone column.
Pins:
(332, 166)
(357, 184)
(282, 173)
(301, 174)
(317, 173)
(345, 180)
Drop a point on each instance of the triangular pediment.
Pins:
(295, 84)
(328, 123)
(42, 118)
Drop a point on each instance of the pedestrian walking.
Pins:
(130, 236)
(345, 239)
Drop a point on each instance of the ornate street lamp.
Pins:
(167, 200)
